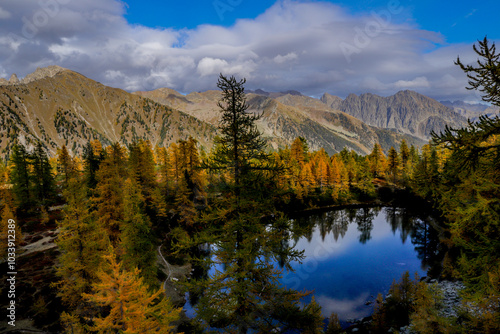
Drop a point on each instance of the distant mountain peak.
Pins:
(260, 92)
(292, 92)
(275, 94)
(406, 111)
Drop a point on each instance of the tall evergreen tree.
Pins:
(137, 240)
(42, 177)
(469, 192)
(20, 177)
(240, 225)
(393, 163)
(404, 153)
(486, 76)
(93, 154)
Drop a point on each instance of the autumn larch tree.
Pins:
(470, 192)
(128, 305)
(108, 192)
(66, 166)
(142, 170)
(377, 161)
(82, 243)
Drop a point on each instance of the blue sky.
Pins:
(338, 47)
(458, 21)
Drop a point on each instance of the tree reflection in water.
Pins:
(408, 222)
(418, 226)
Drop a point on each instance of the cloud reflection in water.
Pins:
(351, 256)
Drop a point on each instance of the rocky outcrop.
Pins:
(331, 101)
(451, 297)
(451, 302)
(40, 73)
(13, 79)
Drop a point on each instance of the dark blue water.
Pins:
(351, 255)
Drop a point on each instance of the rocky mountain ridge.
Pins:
(288, 116)
(59, 106)
(406, 111)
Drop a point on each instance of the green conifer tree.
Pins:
(20, 177)
(92, 157)
(393, 163)
(137, 239)
(42, 176)
(245, 295)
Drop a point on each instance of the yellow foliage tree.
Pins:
(333, 324)
(81, 242)
(377, 161)
(66, 167)
(307, 180)
(299, 150)
(133, 309)
(108, 195)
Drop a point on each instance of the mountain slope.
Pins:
(406, 111)
(285, 116)
(68, 108)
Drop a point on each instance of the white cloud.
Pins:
(208, 66)
(471, 13)
(279, 59)
(93, 38)
(419, 82)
